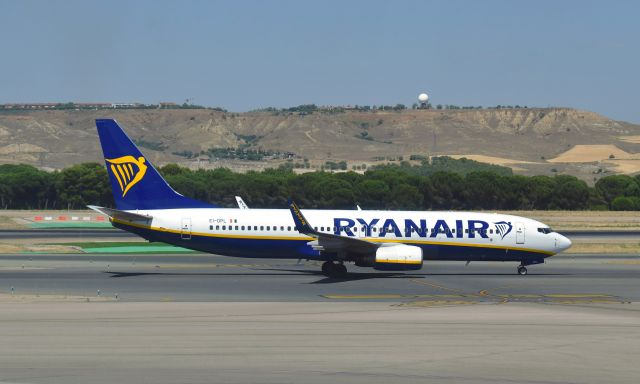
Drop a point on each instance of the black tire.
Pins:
(340, 270)
(327, 268)
(522, 270)
(333, 270)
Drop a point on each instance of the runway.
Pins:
(218, 278)
(104, 318)
(12, 234)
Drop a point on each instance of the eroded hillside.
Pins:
(523, 138)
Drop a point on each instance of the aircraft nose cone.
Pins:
(562, 243)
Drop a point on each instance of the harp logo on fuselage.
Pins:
(128, 171)
(503, 228)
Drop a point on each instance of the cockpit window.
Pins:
(545, 230)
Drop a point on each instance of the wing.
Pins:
(328, 241)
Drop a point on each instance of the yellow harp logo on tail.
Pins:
(128, 171)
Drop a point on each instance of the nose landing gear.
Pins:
(334, 270)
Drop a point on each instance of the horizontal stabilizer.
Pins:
(121, 215)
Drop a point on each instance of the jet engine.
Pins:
(397, 257)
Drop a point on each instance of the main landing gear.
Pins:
(335, 270)
(522, 270)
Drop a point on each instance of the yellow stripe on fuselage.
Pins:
(373, 240)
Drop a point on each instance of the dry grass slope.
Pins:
(524, 137)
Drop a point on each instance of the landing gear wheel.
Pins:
(522, 270)
(331, 269)
(340, 270)
(327, 266)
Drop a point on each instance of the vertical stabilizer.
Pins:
(135, 183)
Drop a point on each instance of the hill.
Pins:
(532, 141)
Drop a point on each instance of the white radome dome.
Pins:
(423, 97)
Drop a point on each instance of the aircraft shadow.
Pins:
(276, 272)
(351, 276)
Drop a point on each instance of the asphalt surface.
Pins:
(219, 278)
(104, 318)
(92, 233)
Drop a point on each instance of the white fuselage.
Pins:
(272, 233)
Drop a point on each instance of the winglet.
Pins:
(241, 203)
(302, 225)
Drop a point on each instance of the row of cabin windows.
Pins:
(248, 228)
(322, 229)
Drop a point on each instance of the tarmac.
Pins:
(194, 318)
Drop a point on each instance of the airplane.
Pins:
(384, 240)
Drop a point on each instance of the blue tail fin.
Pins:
(135, 182)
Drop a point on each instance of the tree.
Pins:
(570, 193)
(623, 203)
(83, 184)
(614, 186)
(540, 191)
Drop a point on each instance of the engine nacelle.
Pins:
(399, 257)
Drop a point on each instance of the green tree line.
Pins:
(403, 186)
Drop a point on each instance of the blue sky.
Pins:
(242, 55)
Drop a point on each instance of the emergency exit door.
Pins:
(185, 229)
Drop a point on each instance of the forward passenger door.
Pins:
(520, 233)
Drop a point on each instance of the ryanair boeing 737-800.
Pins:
(384, 240)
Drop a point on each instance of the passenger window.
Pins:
(374, 229)
(224, 227)
(211, 227)
(236, 227)
(268, 228)
(288, 228)
(262, 227)
(217, 227)
(282, 228)
(242, 227)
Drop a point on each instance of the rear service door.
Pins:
(519, 233)
(185, 229)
